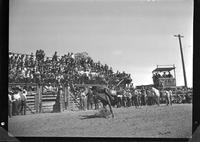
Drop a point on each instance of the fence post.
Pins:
(60, 93)
(40, 98)
(65, 97)
(37, 99)
(68, 98)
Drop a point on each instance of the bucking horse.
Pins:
(103, 94)
(108, 96)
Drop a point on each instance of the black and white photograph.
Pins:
(100, 68)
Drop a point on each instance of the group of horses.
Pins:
(117, 98)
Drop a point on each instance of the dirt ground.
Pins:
(149, 121)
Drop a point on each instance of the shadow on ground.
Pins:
(92, 116)
(101, 114)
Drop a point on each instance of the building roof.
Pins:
(163, 69)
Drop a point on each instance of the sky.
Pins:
(129, 35)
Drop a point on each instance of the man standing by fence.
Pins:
(129, 96)
(59, 104)
(90, 100)
(143, 97)
(16, 101)
(83, 99)
(10, 101)
(23, 95)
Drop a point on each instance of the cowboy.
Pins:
(124, 99)
(149, 96)
(23, 100)
(83, 99)
(90, 99)
(119, 98)
(16, 100)
(10, 101)
(129, 96)
(143, 96)
(135, 97)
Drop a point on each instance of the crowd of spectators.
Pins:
(71, 68)
(157, 76)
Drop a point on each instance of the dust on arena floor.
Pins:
(149, 121)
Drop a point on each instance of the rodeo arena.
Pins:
(72, 95)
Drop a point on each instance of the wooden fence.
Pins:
(40, 101)
(31, 94)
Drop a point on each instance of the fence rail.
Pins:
(40, 101)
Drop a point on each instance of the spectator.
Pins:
(16, 101)
(10, 101)
(83, 99)
(169, 75)
(129, 96)
(23, 101)
(158, 75)
(154, 78)
(90, 100)
(143, 97)
(164, 75)
(41, 69)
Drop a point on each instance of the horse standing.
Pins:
(168, 96)
(104, 95)
(156, 95)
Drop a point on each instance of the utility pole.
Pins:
(183, 64)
